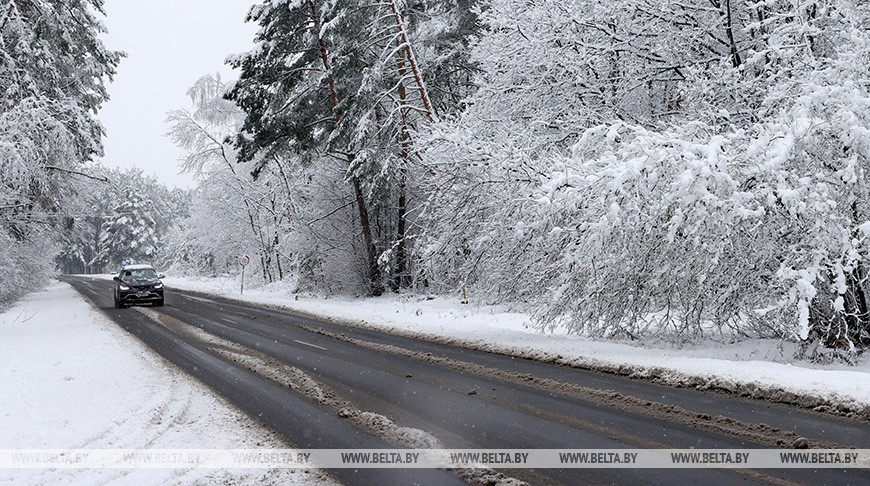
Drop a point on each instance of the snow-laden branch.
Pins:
(76, 172)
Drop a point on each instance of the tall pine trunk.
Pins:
(374, 278)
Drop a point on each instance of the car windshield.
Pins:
(140, 273)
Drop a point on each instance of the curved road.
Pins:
(467, 399)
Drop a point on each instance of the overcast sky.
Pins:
(170, 44)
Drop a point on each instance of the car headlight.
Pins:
(158, 286)
(123, 287)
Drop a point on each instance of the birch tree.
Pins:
(228, 194)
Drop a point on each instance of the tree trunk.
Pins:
(400, 275)
(376, 288)
(278, 258)
(402, 279)
(728, 24)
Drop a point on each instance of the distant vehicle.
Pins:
(138, 284)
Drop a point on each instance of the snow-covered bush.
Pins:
(27, 264)
(688, 230)
(651, 230)
(823, 147)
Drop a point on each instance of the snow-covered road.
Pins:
(262, 359)
(73, 379)
(753, 367)
(77, 380)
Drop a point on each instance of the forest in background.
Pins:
(634, 168)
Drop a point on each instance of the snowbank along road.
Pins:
(323, 385)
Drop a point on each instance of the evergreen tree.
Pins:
(129, 231)
(342, 81)
(128, 218)
(50, 52)
(294, 99)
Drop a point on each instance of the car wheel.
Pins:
(159, 303)
(118, 304)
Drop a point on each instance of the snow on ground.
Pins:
(73, 379)
(752, 367)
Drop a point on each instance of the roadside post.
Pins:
(244, 260)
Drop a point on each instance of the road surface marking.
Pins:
(309, 344)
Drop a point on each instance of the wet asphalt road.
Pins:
(463, 409)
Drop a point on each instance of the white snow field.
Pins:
(72, 379)
(749, 367)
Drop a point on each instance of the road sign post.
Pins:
(244, 260)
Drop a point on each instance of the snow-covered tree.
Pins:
(742, 214)
(128, 233)
(275, 218)
(52, 73)
(619, 168)
(51, 53)
(291, 98)
(338, 81)
(249, 213)
(125, 218)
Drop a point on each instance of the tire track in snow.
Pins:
(762, 434)
(300, 382)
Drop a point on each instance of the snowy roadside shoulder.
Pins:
(754, 368)
(75, 380)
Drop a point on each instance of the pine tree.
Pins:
(342, 80)
(51, 52)
(293, 100)
(128, 233)
(127, 218)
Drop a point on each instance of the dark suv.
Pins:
(138, 284)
